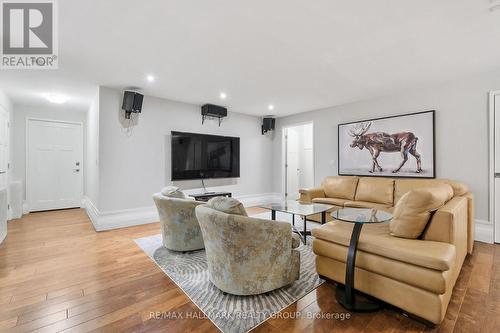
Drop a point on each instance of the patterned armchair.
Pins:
(248, 256)
(179, 226)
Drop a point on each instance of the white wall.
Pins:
(132, 168)
(18, 130)
(461, 130)
(91, 171)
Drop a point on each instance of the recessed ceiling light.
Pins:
(223, 95)
(150, 78)
(270, 107)
(57, 98)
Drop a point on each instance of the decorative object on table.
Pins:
(190, 272)
(245, 255)
(179, 227)
(397, 146)
(301, 209)
(359, 216)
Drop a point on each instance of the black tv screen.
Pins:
(199, 156)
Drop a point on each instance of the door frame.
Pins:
(9, 161)
(26, 152)
(491, 176)
(284, 151)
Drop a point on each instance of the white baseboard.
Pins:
(26, 208)
(3, 234)
(483, 231)
(137, 216)
(119, 219)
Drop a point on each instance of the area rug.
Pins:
(231, 314)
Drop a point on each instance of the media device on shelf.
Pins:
(201, 156)
(132, 103)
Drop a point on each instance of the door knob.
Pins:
(77, 170)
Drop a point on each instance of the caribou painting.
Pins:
(380, 142)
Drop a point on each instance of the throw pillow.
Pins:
(227, 205)
(173, 192)
(413, 210)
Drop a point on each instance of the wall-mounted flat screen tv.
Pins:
(201, 156)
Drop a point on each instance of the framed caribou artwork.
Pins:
(397, 146)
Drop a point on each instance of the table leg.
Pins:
(305, 229)
(273, 215)
(293, 220)
(351, 263)
(346, 294)
(323, 217)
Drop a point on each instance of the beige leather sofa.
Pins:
(416, 275)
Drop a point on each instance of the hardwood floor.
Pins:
(58, 274)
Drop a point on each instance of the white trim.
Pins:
(26, 152)
(26, 208)
(491, 175)
(8, 171)
(119, 219)
(284, 153)
(3, 235)
(483, 231)
(145, 215)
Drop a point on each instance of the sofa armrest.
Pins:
(307, 194)
(449, 224)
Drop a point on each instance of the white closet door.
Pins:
(54, 162)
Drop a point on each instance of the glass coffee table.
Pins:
(297, 208)
(359, 216)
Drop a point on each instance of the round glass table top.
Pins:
(361, 215)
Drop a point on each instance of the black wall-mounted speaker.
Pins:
(132, 103)
(268, 124)
(212, 110)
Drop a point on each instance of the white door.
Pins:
(292, 164)
(299, 163)
(54, 164)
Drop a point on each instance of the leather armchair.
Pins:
(179, 227)
(248, 256)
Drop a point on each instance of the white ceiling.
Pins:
(297, 55)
